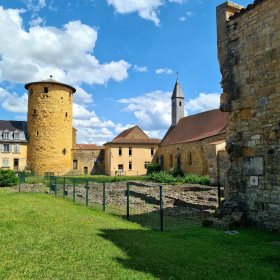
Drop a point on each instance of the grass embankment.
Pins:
(45, 237)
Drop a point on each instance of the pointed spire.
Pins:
(177, 92)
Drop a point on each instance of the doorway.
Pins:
(15, 164)
(120, 168)
(85, 170)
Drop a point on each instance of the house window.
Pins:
(120, 151)
(146, 164)
(6, 148)
(130, 151)
(75, 164)
(171, 160)
(5, 162)
(16, 135)
(189, 158)
(16, 148)
(152, 151)
(130, 165)
(6, 135)
(101, 154)
(46, 90)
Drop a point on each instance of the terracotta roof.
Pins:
(134, 141)
(75, 128)
(12, 125)
(88, 147)
(49, 81)
(177, 92)
(244, 10)
(196, 127)
(124, 133)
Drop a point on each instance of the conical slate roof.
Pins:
(49, 81)
(177, 92)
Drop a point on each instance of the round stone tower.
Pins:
(49, 126)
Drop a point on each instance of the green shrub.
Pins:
(8, 178)
(176, 172)
(152, 168)
(161, 177)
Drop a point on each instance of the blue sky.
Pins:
(121, 55)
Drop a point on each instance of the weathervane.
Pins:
(177, 74)
(51, 76)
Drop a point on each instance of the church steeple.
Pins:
(177, 104)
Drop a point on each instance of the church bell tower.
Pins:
(177, 104)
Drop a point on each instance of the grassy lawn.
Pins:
(46, 237)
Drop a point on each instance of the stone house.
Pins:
(130, 152)
(185, 145)
(249, 59)
(88, 159)
(13, 145)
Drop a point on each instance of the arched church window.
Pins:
(189, 158)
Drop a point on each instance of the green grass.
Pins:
(46, 237)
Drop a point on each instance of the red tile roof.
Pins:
(88, 147)
(196, 127)
(134, 141)
(126, 132)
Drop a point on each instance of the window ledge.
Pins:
(6, 152)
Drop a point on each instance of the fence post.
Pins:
(37, 175)
(64, 188)
(87, 193)
(74, 190)
(104, 198)
(161, 209)
(219, 194)
(55, 182)
(50, 184)
(127, 206)
(19, 183)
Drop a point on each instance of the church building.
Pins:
(185, 144)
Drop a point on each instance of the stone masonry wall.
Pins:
(49, 125)
(249, 58)
(199, 154)
(85, 158)
(137, 133)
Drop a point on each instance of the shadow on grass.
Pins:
(198, 253)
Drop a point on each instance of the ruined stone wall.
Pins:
(199, 155)
(249, 58)
(49, 125)
(92, 159)
(218, 162)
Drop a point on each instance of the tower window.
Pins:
(46, 90)
(64, 151)
(34, 112)
(173, 104)
(37, 133)
(180, 103)
(66, 114)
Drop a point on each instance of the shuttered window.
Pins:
(16, 148)
(5, 162)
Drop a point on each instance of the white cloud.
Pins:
(92, 122)
(51, 7)
(203, 102)
(36, 21)
(140, 69)
(164, 71)
(182, 18)
(189, 13)
(65, 53)
(119, 128)
(81, 96)
(94, 136)
(35, 5)
(11, 102)
(147, 9)
(153, 110)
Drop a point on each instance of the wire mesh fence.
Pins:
(149, 204)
